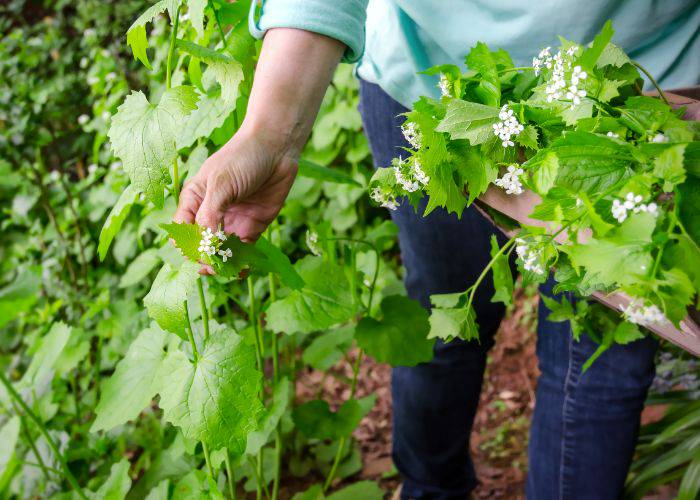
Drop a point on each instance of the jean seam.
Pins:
(565, 413)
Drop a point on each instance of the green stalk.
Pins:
(231, 479)
(275, 379)
(190, 334)
(481, 277)
(32, 444)
(652, 80)
(203, 306)
(218, 25)
(52, 444)
(168, 84)
(207, 459)
(253, 319)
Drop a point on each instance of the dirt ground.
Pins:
(499, 438)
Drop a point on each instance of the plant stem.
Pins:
(218, 25)
(253, 319)
(486, 269)
(207, 459)
(231, 479)
(52, 444)
(203, 306)
(32, 444)
(275, 379)
(171, 50)
(190, 334)
(652, 80)
(168, 84)
(341, 443)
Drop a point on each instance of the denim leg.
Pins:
(434, 403)
(585, 426)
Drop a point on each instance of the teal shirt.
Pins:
(393, 40)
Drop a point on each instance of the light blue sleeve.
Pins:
(343, 20)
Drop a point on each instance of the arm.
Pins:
(243, 185)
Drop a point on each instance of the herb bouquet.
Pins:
(612, 178)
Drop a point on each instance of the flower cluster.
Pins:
(659, 138)
(211, 242)
(632, 202)
(412, 134)
(640, 314)
(511, 180)
(529, 257)
(559, 63)
(508, 127)
(384, 198)
(312, 242)
(410, 175)
(444, 86)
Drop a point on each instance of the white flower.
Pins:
(89, 33)
(410, 176)
(221, 235)
(84, 62)
(110, 76)
(575, 95)
(578, 75)
(225, 254)
(83, 119)
(613, 135)
(55, 175)
(92, 168)
(529, 257)
(632, 202)
(508, 127)
(92, 80)
(444, 86)
(659, 138)
(412, 134)
(106, 115)
(384, 198)
(511, 180)
(571, 51)
(640, 314)
(312, 242)
(115, 165)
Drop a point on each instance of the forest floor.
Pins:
(499, 438)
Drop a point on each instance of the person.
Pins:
(584, 427)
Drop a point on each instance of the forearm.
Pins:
(293, 72)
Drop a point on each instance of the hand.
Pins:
(241, 187)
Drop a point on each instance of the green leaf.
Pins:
(626, 333)
(159, 492)
(324, 301)
(133, 384)
(450, 318)
(621, 257)
(613, 55)
(9, 437)
(46, 355)
(481, 60)
(558, 312)
(186, 238)
(268, 423)
(316, 420)
(676, 290)
(609, 89)
(314, 492)
(19, 295)
(136, 35)
(115, 219)
(688, 207)
(215, 399)
(587, 162)
(313, 170)
(165, 301)
(139, 268)
(545, 174)
(502, 276)
(227, 71)
(211, 113)
(528, 137)
(477, 172)
(689, 488)
(669, 167)
(195, 8)
(366, 490)
(469, 120)
(328, 348)
(400, 338)
(590, 56)
(118, 483)
(143, 137)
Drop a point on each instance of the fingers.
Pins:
(189, 202)
(219, 195)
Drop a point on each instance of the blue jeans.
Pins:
(584, 427)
